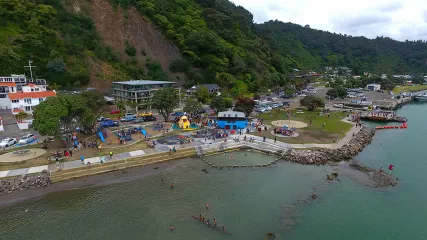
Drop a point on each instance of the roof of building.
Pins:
(142, 82)
(22, 95)
(17, 110)
(231, 114)
(31, 85)
(7, 84)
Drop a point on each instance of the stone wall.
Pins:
(322, 156)
(24, 182)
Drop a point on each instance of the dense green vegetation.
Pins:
(59, 42)
(218, 41)
(313, 49)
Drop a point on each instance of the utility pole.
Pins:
(31, 69)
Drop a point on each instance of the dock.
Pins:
(382, 116)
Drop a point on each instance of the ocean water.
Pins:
(248, 202)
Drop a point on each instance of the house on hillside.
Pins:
(212, 88)
(30, 96)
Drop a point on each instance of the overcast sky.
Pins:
(400, 20)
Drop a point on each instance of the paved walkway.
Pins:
(165, 148)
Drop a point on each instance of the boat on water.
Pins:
(216, 227)
(421, 98)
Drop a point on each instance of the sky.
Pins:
(400, 20)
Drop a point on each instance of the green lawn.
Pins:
(314, 133)
(399, 89)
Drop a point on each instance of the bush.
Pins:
(129, 49)
(179, 65)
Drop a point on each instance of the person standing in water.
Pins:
(172, 228)
(207, 205)
(214, 223)
(171, 185)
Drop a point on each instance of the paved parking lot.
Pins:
(10, 127)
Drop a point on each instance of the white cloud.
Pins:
(398, 19)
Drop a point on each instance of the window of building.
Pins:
(27, 100)
(27, 108)
(32, 89)
(37, 89)
(15, 101)
(41, 99)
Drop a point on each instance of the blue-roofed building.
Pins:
(232, 120)
(140, 91)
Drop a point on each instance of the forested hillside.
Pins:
(313, 48)
(218, 43)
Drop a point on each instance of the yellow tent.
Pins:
(184, 123)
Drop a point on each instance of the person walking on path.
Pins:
(263, 139)
(111, 154)
(275, 139)
(82, 158)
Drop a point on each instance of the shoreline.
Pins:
(103, 179)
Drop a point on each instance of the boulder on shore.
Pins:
(322, 156)
(23, 182)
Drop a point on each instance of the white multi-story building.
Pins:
(30, 96)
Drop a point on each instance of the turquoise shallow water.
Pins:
(249, 202)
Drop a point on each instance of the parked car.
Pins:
(109, 123)
(101, 119)
(303, 95)
(260, 109)
(351, 96)
(270, 99)
(330, 97)
(128, 118)
(381, 91)
(139, 120)
(149, 118)
(117, 111)
(27, 139)
(7, 142)
(338, 105)
(130, 115)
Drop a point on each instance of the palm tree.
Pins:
(20, 116)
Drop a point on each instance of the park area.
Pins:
(414, 88)
(311, 127)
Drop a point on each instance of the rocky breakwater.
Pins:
(322, 156)
(24, 182)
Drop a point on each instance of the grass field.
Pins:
(314, 133)
(399, 89)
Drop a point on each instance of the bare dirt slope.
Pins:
(116, 26)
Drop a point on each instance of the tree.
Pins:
(48, 115)
(121, 105)
(20, 116)
(245, 105)
(312, 102)
(192, 106)
(332, 92)
(165, 100)
(95, 105)
(342, 92)
(218, 104)
(56, 65)
(202, 94)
